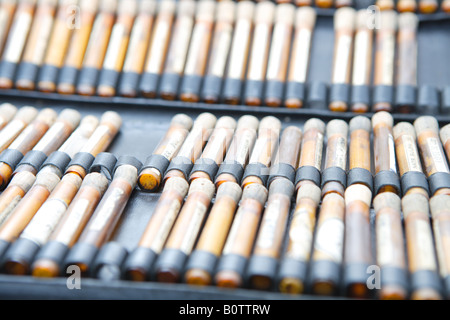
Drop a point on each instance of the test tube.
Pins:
(257, 169)
(220, 48)
(106, 215)
(7, 9)
(413, 180)
(344, 26)
(432, 154)
(181, 165)
(259, 54)
(362, 64)
(201, 264)
(406, 75)
(425, 281)
(97, 47)
(444, 133)
(440, 212)
(238, 154)
(239, 54)
(137, 49)
(293, 266)
(390, 252)
(152, 172)
(140, 261)
(178, 50)
(266, 252)
(383, 81)
(35, 48)
(15, 43)
(117, 48)
(182, 238)
(57, 46)
(279, 54)
(77, 47)
(198, 51)
(239, 243)
(305, 20)
(386, 176)
(49, 258)
(157, 50)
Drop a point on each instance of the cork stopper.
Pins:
(358, 192)
(89, 6)
(229, 189)
(248, 122)
(359, 123)
(402, 128)
(202, 185)
(362, 17)
(206, 10)
(264, 12)
(445, 133)
(426, 123)
(285, 13)
(439, 204)
(382, 117)
(388, 20)
(7, 111)
(256, 192)
(88, 124)
(283, 186)
(245, 10)
(333, 197)
(205, 120)
(408, 20)
(177, 184)
(269, 123)
(344, 19)
(387, 200)
(48, 180)
(226, 122)
(70, 116)
(96, 180)
(147, 7)
(47, 116)
(73, 179)
(112, 118)
(128, 7)
(167, 6)
(305, 17)
(24, 180)
(314, 123)
(26, 114)
(310, 191)
(337, 126)
(182, 120)
(108, 6)
(186, 8)
(226, 11)
(414, 203)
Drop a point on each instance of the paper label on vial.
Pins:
(105, 213)
(157, 55)
(181, 45)
(276, 52)
(45, 221)
(330, 238)
(173, 145)
(193, 228)
(221, 54)
(385, 252)
(301, 58)
(271, 216)
(391, 145)
(258, 56)
(425, 247)
(53, 133)
(218, 140)
(165, 227)
(361, 62)
(243, 149)
(388, 53)
(18, 37)
(340, 159)
(300, 236)
(238, 58)
(96, 138)
(73, 221)
(113, 52)
(443, 267)
(411, 153)
(318, 152)
(343, 53)
(437, 154)
(7, 211)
